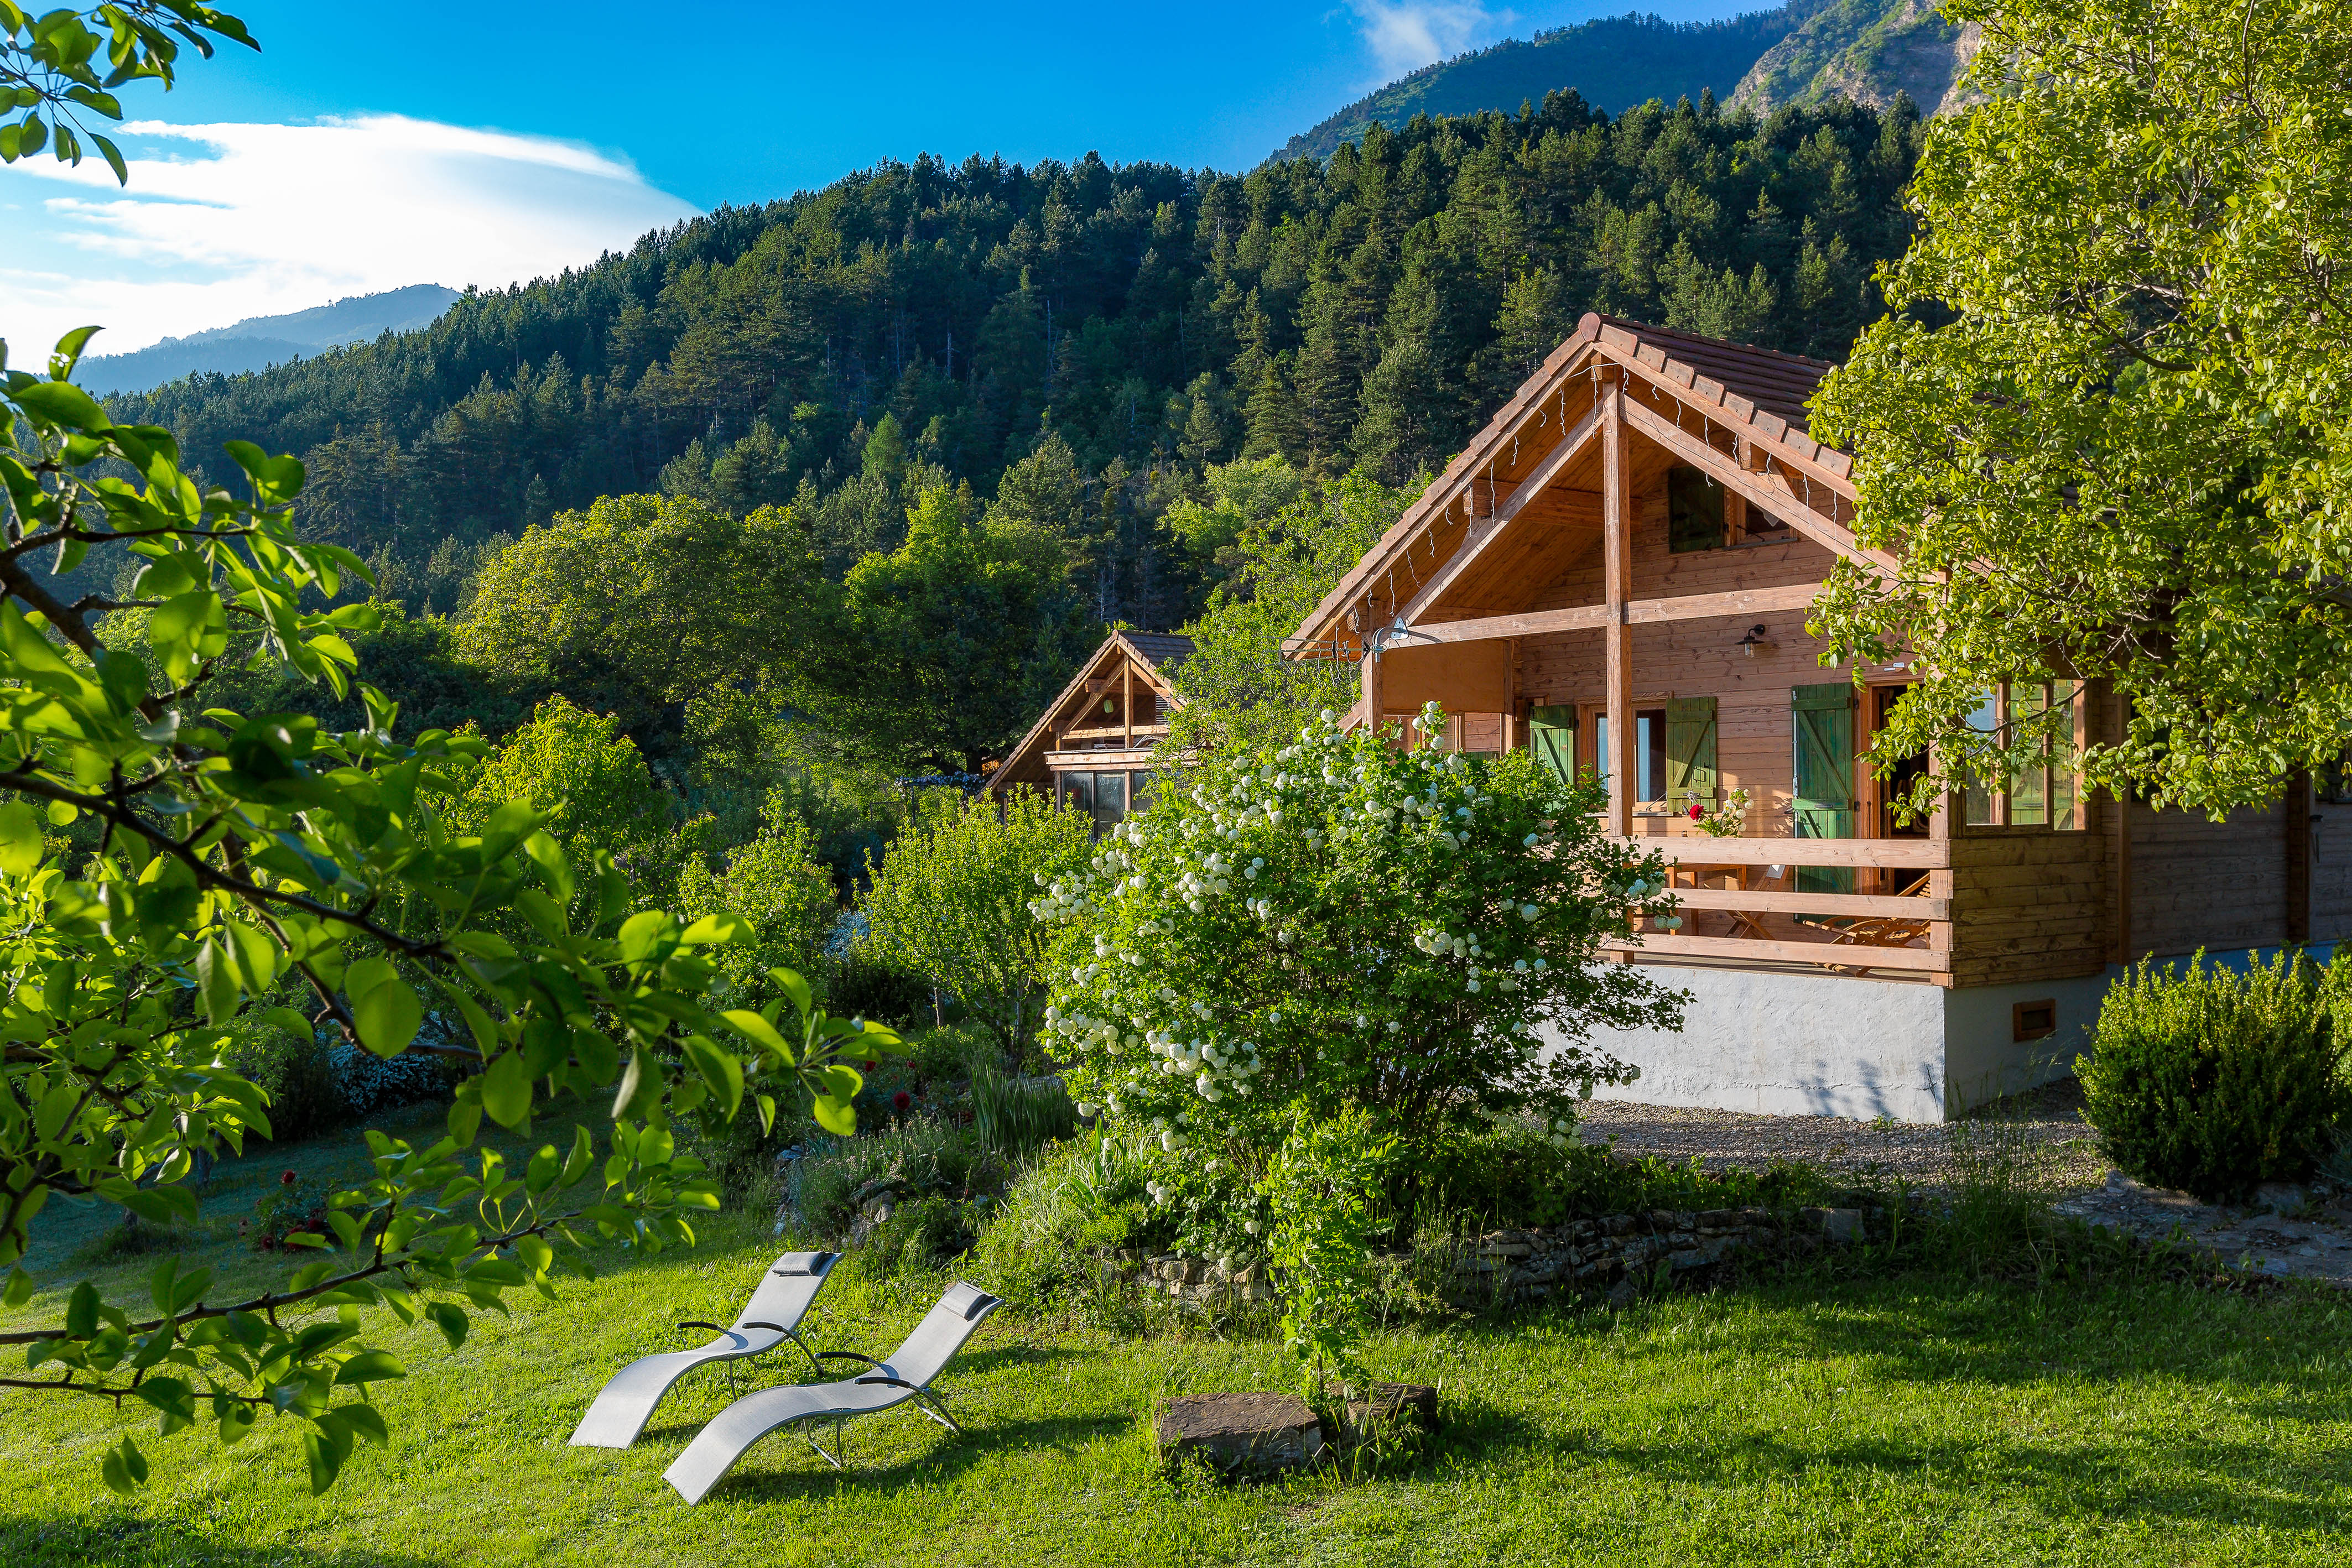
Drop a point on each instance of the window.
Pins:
(1649, 752)
(1694, 511)
(1896, 785)
(2033, 1021)
(1102, 796)
(2043, 793)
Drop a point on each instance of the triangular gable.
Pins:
(1673, 379)
(1153, 654)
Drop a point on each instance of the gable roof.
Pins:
(1157, 653)
(1758, 394)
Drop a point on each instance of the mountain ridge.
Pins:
(258, 342)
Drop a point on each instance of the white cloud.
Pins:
(1410, 33)
(223, 221)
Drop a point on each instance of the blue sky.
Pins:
(361, 151)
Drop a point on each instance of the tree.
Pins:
(774, 882)
(248, 861)
(640, 602)
(1239, 689)
(1241, 495)
(1336, 926)
(2111, 434)
(588, 785)
(953, 903)
(47, 68)
(945, 649)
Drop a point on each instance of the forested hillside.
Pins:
(1113, 329)
(1614, 62)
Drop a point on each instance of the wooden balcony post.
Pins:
(1127, 702)
(1617, 576)
(1372, 675)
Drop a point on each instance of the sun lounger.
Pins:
(773, 1316)
(906, 1375)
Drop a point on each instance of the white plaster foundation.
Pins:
(1793, 1043)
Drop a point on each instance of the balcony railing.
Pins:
(1768, 921)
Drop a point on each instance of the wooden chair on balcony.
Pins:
(1872, 931)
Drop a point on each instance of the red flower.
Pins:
(1696, 811)
(288, 1178)
(867, 1067)
(902, 1099)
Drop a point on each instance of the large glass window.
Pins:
(1101, 796)
(2043, 793)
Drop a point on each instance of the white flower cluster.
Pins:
(1216, 1069)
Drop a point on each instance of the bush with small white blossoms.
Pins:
(1343, 925)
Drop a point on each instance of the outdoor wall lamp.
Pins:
(1754, 640)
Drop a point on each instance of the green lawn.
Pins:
(1796, 1421)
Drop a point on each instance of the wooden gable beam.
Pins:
(1564, 365)
(1483, 532)
(1757, 489)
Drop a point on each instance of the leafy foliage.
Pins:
(953, 902)
(1322, 1186)
(242, 853)
(2212, 1081)
(50, 70)
(1340, 923)
(2110, 432)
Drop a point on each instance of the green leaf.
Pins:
(758, 1031)
(388, 1017)
(325, 1461)
(61, 402)
(216, 982)
(81, 1311)
(20, 1284)
(714, 929)
(370, 1366)
(641, 932)
(641, 1087)
(506, 1090)
(835, 1116)
(451, 1319)
(20, 839)
(554, 870)
(576, 1166)
(719, 1069)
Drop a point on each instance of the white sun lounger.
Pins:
(906, 1375)
(772, 1317)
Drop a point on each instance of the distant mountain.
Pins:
(1867, 50)
(261, 342)
(1612, 62)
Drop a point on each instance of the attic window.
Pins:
(1694, 511)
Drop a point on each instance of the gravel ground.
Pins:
(2295, 1231)
(2045, 1125)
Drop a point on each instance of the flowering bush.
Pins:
(1727, 820)
(1342, 925)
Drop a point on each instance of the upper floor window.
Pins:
(1693, 512)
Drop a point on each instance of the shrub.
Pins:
(920, 1157)
(775, 883)
(1342, 924)
(368, 1083)
(1082, 1197)
(863, 982)
(290, 1206)
(297, 1070)
(2214, 1082)
(952, 903)
(1016, 1114)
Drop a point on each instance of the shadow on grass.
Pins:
(760, 1476)
(127, 1540)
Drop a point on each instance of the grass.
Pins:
(1801, 1419)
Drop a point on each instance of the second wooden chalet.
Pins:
(1615, 573)
(1092, 747)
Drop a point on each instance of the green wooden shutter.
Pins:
(1551, 736)
(1690, 752)
(1824, 720)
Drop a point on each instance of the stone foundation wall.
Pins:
(1619, 1253)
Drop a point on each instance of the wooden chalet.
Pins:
(1616, 573)
(1092, 747)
